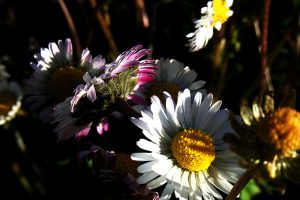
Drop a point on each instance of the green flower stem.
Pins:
(242, 182)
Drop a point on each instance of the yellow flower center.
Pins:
(63, 82)
(158, 88)
(282, 130)
(193, 150)
(7, 100)
(220, 11)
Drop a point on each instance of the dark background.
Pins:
(50, 170)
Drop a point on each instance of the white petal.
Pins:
(162, 167)
(146, 177)
(203, 108)
(197, 85)
(157, 182)
(185, 179)
(193, 181)
(146, 167)
(147, 156)
(187, 108)
(147, 145)
(221, 184)
(218, 120)
(229, 3)
(207, 188)
(218, 26)
(210, 114)
(167, 192)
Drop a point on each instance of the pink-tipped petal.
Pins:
(84, 132)
(102, 126)
(146, 79)
(91, 93)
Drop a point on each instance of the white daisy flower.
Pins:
(213, 16)
(56, 75)
(10, 101)
(172, 76)
(185, 147)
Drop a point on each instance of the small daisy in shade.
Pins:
(185, 147)
(172, 76)
(3, 73)
(119, 170)
(56, 75)
(213, 16)
(111, 93)
(269, 137)
(10, 101)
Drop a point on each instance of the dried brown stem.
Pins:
(105, 29)
(72, 27)
(141, 12)
(265, 79)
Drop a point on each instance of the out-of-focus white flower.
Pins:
(213, 16)
(3, 73)
(10, 101)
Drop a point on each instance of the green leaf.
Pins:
(250, 190)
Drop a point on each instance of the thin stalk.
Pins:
(107, 33)
(242, 182)
(71, 25)
(265, 78)
(141, 13)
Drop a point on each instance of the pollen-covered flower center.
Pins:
(282, 130)
(158, 88)
(63, 82)
(193, 150)
(7, 100)
(220, 11)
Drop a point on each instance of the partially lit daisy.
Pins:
(213, 16)
(270, 136)
(172, 76)
(10, 101)
(56, 75)
(111, 93)
(185, 147)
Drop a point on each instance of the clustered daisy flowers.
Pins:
(213, 16)
(185, 149)
(183, 126)
(111, 93)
